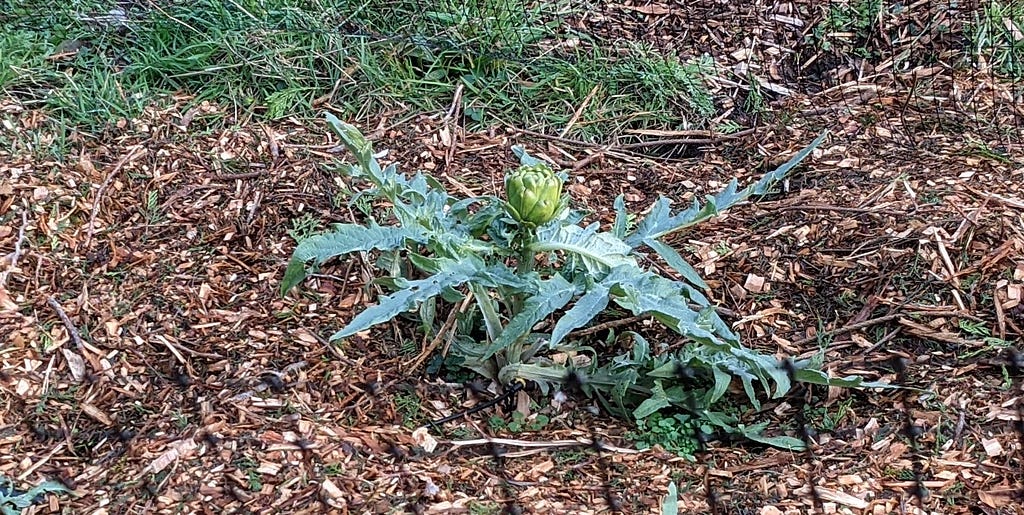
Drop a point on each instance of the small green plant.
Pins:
(989, 343)
(825, 420)
(755, 102)
(249, 466)
(152, 208)
(303, 227)
(505, 273)
(14, 502)
(408, 405)
(519, 423)
(675, 433)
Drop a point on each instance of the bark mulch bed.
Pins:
(150, 365)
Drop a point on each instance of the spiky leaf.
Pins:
(582, 312)
(411, 294)
(597, 251)
(552, 294)
(344, 239)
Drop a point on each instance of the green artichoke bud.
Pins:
(534, 194)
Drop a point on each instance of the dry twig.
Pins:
(76, 337)
(103, 188)
(14, 256)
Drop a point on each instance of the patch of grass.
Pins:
(825, 420)
(91, 63)
(848, 26)
(408, 405)
(995, 37)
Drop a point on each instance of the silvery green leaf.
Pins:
(659, 221)
(722, 380)
(644, 292)
(670, 506)
(641, 348)
(544, 375)
(621, 217)
(677, 262)
(809, 375)
(655, 402)
(582, 312)
(552, 294)
(756, 433)
(410, 296)
(525, 158)
(345, 239)
(597, 251)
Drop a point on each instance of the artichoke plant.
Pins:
(534, 194)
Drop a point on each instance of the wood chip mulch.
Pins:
(150, 365)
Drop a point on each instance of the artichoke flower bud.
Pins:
(534, 194)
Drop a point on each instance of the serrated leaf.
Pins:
(582, 312)
(659, 222)
(525, 159)
(410, 296)
(552, 294)
(761, 187)
(344, 239)
(598, 251)
(644, 292)
(808, 375)
(676, 261)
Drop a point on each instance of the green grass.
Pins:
(847, 27)
(89, 68)
(996, 37)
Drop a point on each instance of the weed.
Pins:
(303, 227)
(152, 208)
(755, 102)
(180, 419)
(519, 423)
(995, 39)
(825, 421)
(484, 508)
(408, 405)
(675, 434)
(334, 469)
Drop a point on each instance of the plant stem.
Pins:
(527, 257)
(524, 265)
